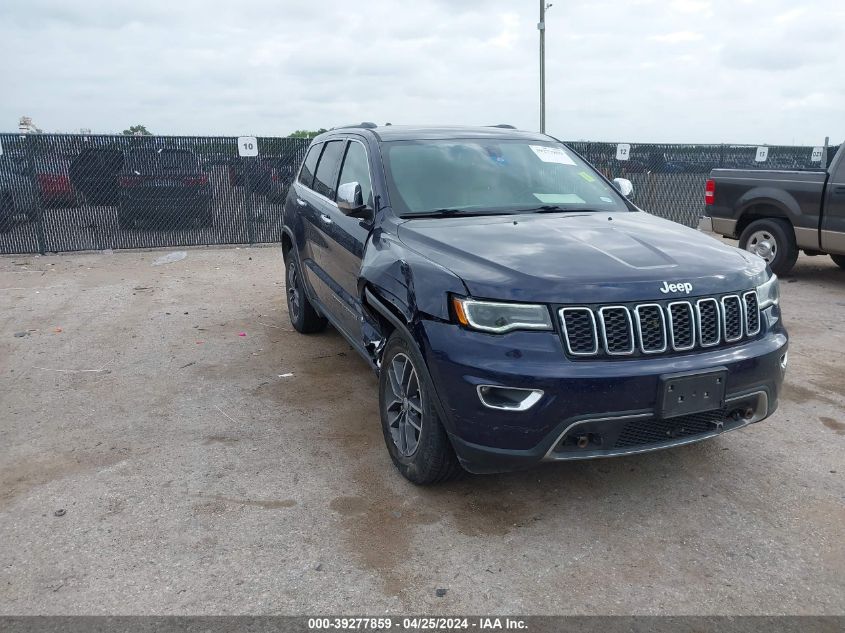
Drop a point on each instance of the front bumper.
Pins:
(611, 403)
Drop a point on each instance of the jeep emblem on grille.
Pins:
(667, 287)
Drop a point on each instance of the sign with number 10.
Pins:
(247, 146)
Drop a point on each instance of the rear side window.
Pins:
(325, 179)
(306, 174)
(355, 169)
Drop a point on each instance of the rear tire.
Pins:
(7, 210)
(302, 314)
(839, 260)
(124, 221)
(414, 435)
(774, 240)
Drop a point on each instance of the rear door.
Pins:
(318, 204)
(346, 237)
(299, 206)
(833, 218)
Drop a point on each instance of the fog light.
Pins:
(784, 360)
(508, 398)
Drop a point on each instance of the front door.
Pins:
(346, 238)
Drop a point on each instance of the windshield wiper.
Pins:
(551, 208)
(447, 213)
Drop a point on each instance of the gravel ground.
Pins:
(155, 461)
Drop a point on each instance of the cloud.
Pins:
(645, 70)
(677, 37)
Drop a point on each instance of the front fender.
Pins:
(414, 285)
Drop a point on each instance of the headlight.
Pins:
(488, 316)
(768, 294)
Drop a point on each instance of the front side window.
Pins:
(306, 174)
(355, 169)
(325, 179)
(499, 175)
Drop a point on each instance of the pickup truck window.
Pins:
(510, 176)
(306, 174)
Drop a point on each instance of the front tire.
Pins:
(774, 240)
(415, 437)
(302, 314)
(839, 260)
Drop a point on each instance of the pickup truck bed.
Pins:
(776, 213)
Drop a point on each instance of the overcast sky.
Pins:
(755, 71)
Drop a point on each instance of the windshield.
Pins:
(492, 175)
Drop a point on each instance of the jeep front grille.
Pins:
(659, 327)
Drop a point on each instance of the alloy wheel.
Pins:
(294, 296)
(404, 405)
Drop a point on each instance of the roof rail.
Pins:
(369, 125)
(506, 126)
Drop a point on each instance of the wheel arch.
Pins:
(763, 210)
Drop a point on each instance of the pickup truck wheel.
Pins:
(839, 260)
(302, 314)
(774, 241)
(415, 437)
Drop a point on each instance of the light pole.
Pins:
(541, 26)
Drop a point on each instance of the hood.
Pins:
(582, 257)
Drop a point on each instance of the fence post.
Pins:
(250, 214)
(824, 151)
(39, 215)
(721, 154)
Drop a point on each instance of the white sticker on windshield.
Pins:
(552, 154)
(559, 198)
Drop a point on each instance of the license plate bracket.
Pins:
(691, 392)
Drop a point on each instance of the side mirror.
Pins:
(624, 186)
(350, 199)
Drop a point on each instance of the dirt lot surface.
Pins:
(154, 460)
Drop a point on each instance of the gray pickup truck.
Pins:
(776, 213)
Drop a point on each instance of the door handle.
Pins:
(301, 202)
(326, 219)
(839, 190)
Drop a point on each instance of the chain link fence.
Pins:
(77, 192)
(669, 179)
(90, 192)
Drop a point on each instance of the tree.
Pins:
(137, 130)
(306, 133)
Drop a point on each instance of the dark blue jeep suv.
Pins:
(517, 306)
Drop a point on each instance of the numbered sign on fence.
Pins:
(816, 156)
(623, 151)
(762, 154)
(247, 146)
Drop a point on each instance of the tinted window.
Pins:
(355, 169)
(326, 177)
(307, 173)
